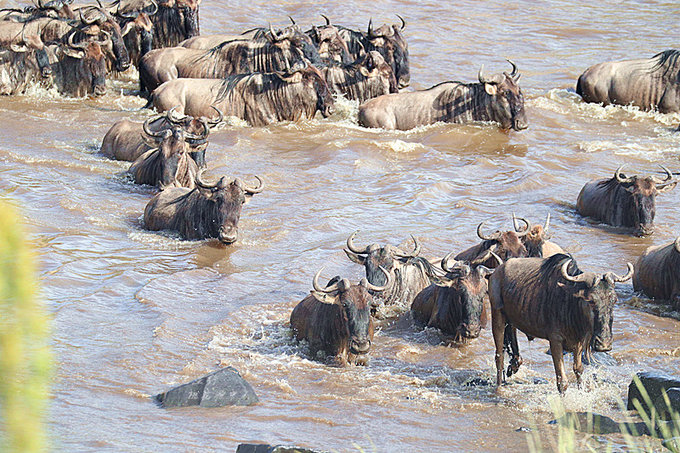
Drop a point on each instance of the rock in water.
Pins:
(666, 412)
(223, 387)
(654, 384)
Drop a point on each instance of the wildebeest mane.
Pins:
(668, 62)
(168, 27)
(464, 102)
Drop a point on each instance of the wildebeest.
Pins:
(14, 38)
(206, 211)
(336, 320)
(624, 201)
(57, 9)
(455, 304)
(506, 244)
(126, 139)
(551, 298)
(649, 83)
(410, 272)
(97, 15)
(271, 53)
(259, 99)
(366, 78)
(498, 99)
(137, 30)
(331, 46)
(170, 164)
(657, 272)
(387, 40)
(536, 239)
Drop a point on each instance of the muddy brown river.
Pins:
(136, 312)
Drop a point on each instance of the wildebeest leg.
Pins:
(511, 345)
(556, 352)
(498, 328)
(578, 364)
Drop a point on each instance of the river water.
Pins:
(135, 312)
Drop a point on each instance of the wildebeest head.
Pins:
(137, 31)
(390, 43)
(225, 198)
(312, 78)
(470, 287)
(505, 244)
(30, 42)
(57, 9)
(97, 15)
(535, 236)
(85, 65)
(598, 292)
(640, 207)
(189, 9)
(292, 38)
(375, 258)
(329, 43)
(355, 302)
(196, 130)
(372, 64)
(507, 103)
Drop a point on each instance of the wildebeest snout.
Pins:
(360, 346)
(600, 345)
(228, 234)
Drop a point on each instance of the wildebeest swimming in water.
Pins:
(657, 273)
(536, 238)
(497, 99)
(127, 140)
(259, 99)
(505, 244)
(170, 164)
(336, 320)
(368, 77)
(455, 303)
(207, 211)
(624, 201)
(551, 298)
(649, 83)
(409, 272)
(274, 52)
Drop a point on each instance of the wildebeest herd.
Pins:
(265, 75)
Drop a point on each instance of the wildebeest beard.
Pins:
(168, 27)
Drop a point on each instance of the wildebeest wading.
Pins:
(496, 99)
(649, 83)
(657, 273)
(625, 201)
(207, 211)
(551, 298)
(336, 320)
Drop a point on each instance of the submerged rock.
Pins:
(592, 423)
(666, 412)
(264, 448)
(223, 387)
(655, 384)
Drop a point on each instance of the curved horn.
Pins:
(86, 21)
(481, 236)
(170, 116)
(194, 139)
(514, 69)
(444, 264)
(351, 247)
(403, 22)
(669, 176)
(218, 120)
(497, 258)
(317, 287)
(371, 33)
(149, 132)
(568, 277)
(292, 20)
(515, 223)
(677, 244)
(155, 8)
(365, 283)
(80, 45)
(328, 21)
(618, 177)
(547, 223)
(257, 189)
(414, 253)
(203, 184)
(625, 278)
(275, 37)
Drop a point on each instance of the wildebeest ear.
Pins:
(667, 187)
(323, 297)
(355, 257)
(73, 53)
(490, 89)
(484, 271)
